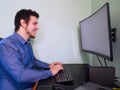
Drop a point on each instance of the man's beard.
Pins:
(30, 35)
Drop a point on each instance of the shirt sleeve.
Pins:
(41, 64)
(10, 61)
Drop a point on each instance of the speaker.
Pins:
(102, 75)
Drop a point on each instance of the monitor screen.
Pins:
(95, 33)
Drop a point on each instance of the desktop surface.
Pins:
(80, 77)
(78, 71)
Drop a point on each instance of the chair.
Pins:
(1, 38)
(35, 86)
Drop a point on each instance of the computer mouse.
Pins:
(58, 87)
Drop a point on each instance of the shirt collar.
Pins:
(20, 38)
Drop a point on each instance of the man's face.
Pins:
(32, 27)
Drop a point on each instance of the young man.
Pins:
(17, 61)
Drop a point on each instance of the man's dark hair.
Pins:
(24, 14)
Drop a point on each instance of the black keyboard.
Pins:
(64, 76)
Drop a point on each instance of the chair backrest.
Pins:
(1, 38)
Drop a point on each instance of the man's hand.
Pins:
(55, 63)
(56, 67)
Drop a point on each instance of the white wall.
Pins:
(57, 38)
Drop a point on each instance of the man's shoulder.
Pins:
(10, 42)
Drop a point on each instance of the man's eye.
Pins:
(35, 23)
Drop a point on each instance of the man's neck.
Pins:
(23, 34)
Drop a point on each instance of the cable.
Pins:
(99, 61)
(105, 62)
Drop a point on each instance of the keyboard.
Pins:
(64, 76)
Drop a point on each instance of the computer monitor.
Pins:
(95, 33)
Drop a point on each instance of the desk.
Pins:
(78, 72)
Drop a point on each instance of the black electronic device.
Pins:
(64, 76)
(102, 75)
(96, 33)
(62, 87)
(58, 87)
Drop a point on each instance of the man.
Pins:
(17, 61)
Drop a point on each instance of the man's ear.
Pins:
(23, 23)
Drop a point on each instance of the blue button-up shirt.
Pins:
(17, 64)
